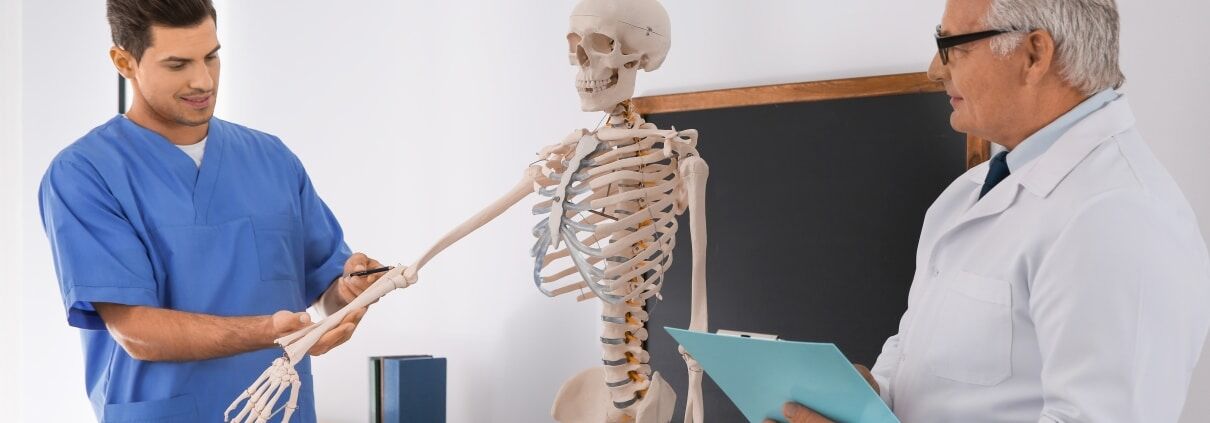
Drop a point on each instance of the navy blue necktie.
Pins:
(995, 173)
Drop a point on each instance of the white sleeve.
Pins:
(887, 365)
(1115, 305)
(329, 303)
(884, 369)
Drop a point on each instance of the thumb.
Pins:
(286, 321)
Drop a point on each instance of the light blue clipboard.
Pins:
(761, 375)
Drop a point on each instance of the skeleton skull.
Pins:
(610, 40)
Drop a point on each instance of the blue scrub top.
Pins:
(133, 220)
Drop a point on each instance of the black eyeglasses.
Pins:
(944, 44)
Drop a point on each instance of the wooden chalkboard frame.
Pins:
(977, 150)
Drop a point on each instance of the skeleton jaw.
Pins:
(603, 91)
(591, 86)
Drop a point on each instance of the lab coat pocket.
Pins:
(972, 339)
(181, 408)
(278, 248)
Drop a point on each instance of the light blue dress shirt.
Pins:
(1041, 141)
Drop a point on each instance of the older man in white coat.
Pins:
(1065, 280)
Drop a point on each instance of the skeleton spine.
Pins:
(627, 372)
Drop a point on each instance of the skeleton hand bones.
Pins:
(268, 389)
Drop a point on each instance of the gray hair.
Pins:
(1085, 34)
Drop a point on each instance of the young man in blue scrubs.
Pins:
(184, 244)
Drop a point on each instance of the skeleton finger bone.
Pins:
(262, 403)
(291, 405)
(247, 393)
(267, 411)
(264, 394)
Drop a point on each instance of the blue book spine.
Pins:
(413, 390)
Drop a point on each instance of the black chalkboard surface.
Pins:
(813, 214)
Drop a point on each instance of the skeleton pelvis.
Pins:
(585, 399)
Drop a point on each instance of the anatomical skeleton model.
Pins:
(608, 224)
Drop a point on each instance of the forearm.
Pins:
(156, 334)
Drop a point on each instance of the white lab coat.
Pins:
(1077, 290)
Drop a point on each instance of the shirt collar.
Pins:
(1040, 141)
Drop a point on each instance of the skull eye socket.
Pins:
(600, 43)
(575, 51)
(573, 42)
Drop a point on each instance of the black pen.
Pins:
(371, 271)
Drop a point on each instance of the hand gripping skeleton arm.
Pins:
(261, 398)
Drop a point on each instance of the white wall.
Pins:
(1166, 62)
(437, 106)
(68, 88)
(10, 199)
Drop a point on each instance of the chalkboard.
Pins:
(813, 210)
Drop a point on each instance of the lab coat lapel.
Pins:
(994, 203)
(1045, 173)
(207, 176)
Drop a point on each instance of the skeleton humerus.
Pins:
(612, 197)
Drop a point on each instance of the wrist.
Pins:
(266, 332)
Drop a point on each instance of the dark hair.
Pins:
(130, 21)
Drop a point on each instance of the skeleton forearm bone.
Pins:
(264, 393)
(519, 192)
(297, 344)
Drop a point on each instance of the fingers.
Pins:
(869, 378)
(374, 264)
(333, 338)
(352, 286)
(355, 316)
(355, 260)
(340, 334)
(796, 413)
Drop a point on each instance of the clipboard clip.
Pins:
(754, 335)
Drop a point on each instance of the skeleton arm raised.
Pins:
(260, 398)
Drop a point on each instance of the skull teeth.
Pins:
(596, 85)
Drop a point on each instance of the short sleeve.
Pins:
(98, 254)
(325, 251)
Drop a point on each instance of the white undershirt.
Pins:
(195, 151)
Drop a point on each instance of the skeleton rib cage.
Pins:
(610, 226)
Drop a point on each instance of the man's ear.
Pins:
(1039, 48)
(123, 61)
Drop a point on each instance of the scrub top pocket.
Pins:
(178, 409)
(278, 248)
